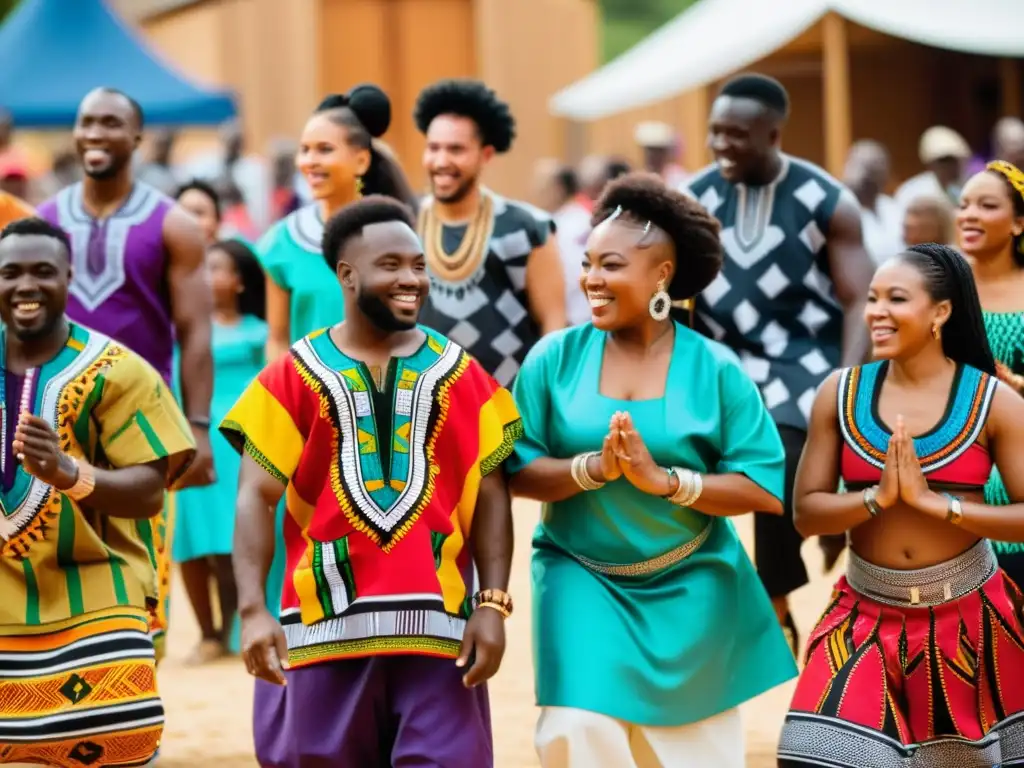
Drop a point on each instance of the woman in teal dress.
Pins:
(641, 438)
(339, 161)
(990, 230)
(205, 524)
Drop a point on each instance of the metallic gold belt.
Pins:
(653, 565)
(924, 587)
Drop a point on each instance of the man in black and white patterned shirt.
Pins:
(496, 280)
(790, 297)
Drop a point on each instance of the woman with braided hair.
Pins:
(641, 437)
(919, 657)
(990, 230)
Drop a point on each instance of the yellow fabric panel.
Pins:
(300, 509)
(268, 427)
(453, 589)
(139, 419)
(304, 582)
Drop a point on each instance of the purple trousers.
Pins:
(377, 712)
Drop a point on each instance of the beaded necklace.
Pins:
(458, 266)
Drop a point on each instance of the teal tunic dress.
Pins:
(675, 644)
(290, 254)
(205, 523)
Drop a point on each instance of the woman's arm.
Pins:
(549, 480)
(278, 320)
(1006, 440)
(818, 510)
(731, 495)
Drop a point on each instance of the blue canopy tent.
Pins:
(53, 52)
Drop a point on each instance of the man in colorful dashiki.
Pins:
(139, 278)
(790, 295)
(91, 438)
(496, 283)
(387, 441)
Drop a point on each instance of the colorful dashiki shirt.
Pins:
(381, 491)
(59, 558)
(773, 303)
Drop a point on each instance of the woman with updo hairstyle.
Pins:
(339, 161)
(990, 231)
(919, 656)
(641, 437)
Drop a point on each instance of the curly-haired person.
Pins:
(496, 278)
(641, 437)
(373, 431)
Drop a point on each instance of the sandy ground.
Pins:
(209, 709)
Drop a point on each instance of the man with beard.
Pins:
(790, 297)
(139, 277)
(387, 442)
(91, 438)
(496, 282)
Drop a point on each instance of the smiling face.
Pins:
(619, 278)
(106, 134)
(742, 134)
(986, 221)
(900, 313)
(454, 157)
(35, 271)
(326, 159)
(385, 270)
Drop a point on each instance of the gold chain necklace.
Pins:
(458, 266)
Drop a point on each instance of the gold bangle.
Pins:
(505, 613)
(954, 511)
(84, 484)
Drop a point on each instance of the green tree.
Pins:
(5, 7)
(627, 22)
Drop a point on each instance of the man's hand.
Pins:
(264, 648)
(201, 471)
(38, 449)
(484, 639)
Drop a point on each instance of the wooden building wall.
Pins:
(282, 57)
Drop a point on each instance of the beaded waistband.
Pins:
(655, 564)
(924, 587)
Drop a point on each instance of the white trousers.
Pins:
(576, 738)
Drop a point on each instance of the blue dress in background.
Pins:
(205, 522)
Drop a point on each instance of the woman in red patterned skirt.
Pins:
(919, 657)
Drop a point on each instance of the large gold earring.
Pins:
(936, 333)
(359, 186)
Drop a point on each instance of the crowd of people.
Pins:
(323, 418)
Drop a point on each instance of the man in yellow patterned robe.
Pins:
(92, 437)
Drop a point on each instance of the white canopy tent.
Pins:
(715, 38)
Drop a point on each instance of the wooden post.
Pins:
(1009, 86)
(694, 107)
(837, 95)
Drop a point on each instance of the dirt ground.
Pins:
(209, 708)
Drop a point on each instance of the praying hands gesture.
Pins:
(625, 455)
(902, 478)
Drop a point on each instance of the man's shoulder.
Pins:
(698, 182)
(802, 171)
(518, 214)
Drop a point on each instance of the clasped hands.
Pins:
(903, 480)
(624, 454)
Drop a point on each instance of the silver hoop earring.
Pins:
(661, 305)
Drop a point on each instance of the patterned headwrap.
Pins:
(1015, 176)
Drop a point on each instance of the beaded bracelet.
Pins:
(500, 609)
(494, 597)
